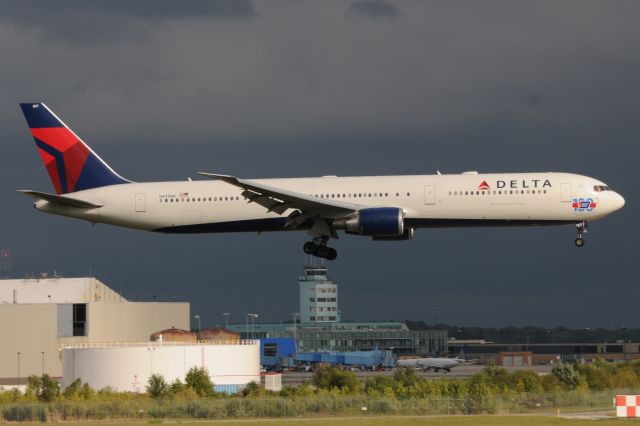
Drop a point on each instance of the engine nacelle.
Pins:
(374, 222)
(406, 235)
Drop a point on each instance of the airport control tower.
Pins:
(318, 296)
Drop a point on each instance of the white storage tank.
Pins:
(128, 366)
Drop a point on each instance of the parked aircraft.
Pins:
(435, 364)
(381, 207)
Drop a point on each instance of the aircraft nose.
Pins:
(618, 201)
(615, 201)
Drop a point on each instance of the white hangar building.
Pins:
(39, 315)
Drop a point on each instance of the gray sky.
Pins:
(162, 89)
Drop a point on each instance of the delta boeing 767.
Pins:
(380, 207)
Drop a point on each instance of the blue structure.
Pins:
(364, 359)
(280, 352)
(277, 352)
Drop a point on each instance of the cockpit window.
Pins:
(601, 188)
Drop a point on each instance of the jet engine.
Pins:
(377, 222)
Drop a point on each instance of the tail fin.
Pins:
(71, 164)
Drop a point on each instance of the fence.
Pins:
(237, 407)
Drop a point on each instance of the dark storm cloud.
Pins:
(303, 91)
(373, 9)
(89, 22)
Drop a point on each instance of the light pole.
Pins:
(199, 323)
(18, 387)
(295, 331)
(226, 319)
(253, 324)
(42, 363)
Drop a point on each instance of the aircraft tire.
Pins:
(579, 242)
(331, 254)
(310, 247)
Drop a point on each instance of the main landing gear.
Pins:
(318, 247)
(582, 229)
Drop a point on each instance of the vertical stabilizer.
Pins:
(71, 164)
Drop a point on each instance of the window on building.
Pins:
(79, 319)
(270, 349)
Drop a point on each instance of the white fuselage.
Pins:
(431, 363)
(468, 199)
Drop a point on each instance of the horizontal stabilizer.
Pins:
(60, 199)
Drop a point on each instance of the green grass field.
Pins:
(398, 421)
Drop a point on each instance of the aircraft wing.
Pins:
(60, 200)
(280, 200)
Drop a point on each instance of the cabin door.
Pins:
(429, 195)
(141, 202)
(565, 191)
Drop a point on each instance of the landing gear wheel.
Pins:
(319, 248)
(331, 254)
(310, 247)
(323, 251)
(582, 229)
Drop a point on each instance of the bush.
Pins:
(331, 377)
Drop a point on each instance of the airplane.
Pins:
(435, 364)
(383, 208)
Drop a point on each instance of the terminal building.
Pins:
(516, 354)
(321, 328)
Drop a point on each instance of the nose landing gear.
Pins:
(582, 229)
(318, 247)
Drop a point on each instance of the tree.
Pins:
(44, 388)
(254, 389)
(73, 389)
(568, 375)
(331, 377)
(157, 386)
(198, 379)
(406, 376)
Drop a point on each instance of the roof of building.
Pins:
(57, 290)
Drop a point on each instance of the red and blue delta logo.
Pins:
(581, 205)
(484, 186)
